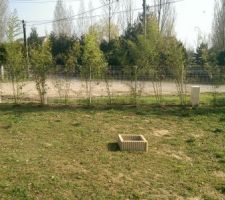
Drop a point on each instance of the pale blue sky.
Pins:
(193, 17)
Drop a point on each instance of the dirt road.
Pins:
(78, 88)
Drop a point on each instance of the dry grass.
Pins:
(68, 153)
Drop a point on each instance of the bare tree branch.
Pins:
(3, 18)
(165, 13)
(65, 26)
(218, 36)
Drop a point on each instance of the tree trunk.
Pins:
(90, 89)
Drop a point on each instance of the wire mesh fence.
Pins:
(69, 87)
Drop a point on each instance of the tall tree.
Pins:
(63, 83)
(165, 12)
(15, 65)
(93, 62)
(175, 59)
(71, 25)
(90, 7)
(149, 58)
(3, 16)
(202, 56)
(14, 56)
(33, 40)
(102, 30)
(62, 20)
(126, 16)
(13, 27)
(41, 60)
(110, 7)
(60, 47)
(81, 22)
(218, 36)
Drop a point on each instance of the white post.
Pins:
(2, 72)
(195, 95)
(45, 99)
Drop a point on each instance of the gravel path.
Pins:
(99, 89)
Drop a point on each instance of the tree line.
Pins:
(147, 47)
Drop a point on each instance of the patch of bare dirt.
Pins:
(179, 155)
(160, 132)
(190, 198)
(219, 174)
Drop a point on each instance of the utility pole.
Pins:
(159, 14)
(110, 10)
(25, 45)
(144, 17)
(24, 34)
(130, 14)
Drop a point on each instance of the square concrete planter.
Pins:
(132, 143)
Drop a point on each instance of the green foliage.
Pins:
(134, 30)
(15, 62)
(41, 61)
(175, 56)
(61, 46)
(63, 83)
(113, 52)
(221, 58)
(14, 59)
(175, 59)
(72, 58)
(202, 56)
(149, 49)
(143, 57)
(93, 61)
(2, 54)
(15, 65)
(33, 40)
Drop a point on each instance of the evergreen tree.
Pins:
(202, 55)
(33, 40)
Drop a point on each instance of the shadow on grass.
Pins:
(114, 147)
(142, 110)
(221, 189)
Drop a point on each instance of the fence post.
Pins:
(195, 95)
(2, 72)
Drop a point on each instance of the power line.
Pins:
(72, 17)
(86, 17)
(39, 1)
(75, 17)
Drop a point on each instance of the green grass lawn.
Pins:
(206, 99)
(71, 153)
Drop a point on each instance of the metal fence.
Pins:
(116, 83)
